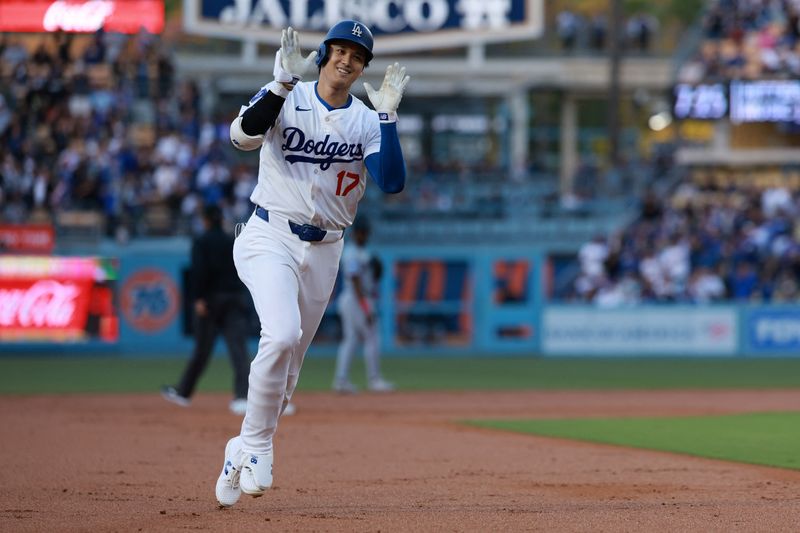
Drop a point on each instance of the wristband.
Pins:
(387, 118)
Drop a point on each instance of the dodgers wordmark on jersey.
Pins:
(312, 167)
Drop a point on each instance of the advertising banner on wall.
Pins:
(681, 331)
(433, 303)
(57, 299)
(151, 297)
(399, 25)
(27, 238)
(773, 330)
(150, 300)
(84, 16)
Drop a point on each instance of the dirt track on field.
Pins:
(397, 462)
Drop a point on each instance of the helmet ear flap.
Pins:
(321, 53)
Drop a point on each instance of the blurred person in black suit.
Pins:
(221, 305)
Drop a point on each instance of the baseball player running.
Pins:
(317, 144)
(356, 307)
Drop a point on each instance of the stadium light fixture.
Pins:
(660, 121)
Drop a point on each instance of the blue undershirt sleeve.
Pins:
(387, 167)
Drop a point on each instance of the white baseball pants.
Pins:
(291, 282)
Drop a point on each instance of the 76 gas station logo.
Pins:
(149, 300)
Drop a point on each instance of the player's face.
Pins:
(345, 64)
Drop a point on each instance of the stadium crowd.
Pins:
(713, 239)
(101, 124)
(590, 32)
(747, 39)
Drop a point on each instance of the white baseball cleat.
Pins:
(381, 385)
(344, 386)
(289, 410)
(228, 490)
(238, 406)
(256, 474)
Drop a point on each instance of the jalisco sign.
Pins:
(123, 16)
(398, 25)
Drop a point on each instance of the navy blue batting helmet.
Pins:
(347, 30)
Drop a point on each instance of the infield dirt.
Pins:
(396, 462)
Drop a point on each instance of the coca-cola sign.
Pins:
(45, 298)
(123, 16)
(43, 304)
(85, 17)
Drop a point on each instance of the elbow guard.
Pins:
(241, 140)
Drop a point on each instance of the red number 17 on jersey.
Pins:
(354, 179)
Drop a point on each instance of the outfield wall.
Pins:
(458, 300)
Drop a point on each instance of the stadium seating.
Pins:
(747, 40)
(717, 225)
(132, 143)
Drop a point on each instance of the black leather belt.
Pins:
(305, 232)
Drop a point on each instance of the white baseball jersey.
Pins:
(312, 168)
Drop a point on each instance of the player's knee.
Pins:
(283, 341)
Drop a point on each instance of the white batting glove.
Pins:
(387, 98)
(290, 65)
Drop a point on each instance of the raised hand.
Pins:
(386, 99)
(290, 65)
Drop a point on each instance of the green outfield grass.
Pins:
(34, 374)
(769, 439)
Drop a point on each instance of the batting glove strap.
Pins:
(387, 117)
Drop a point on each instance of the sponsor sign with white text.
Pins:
(29, 238)
(639, 331)
(774, 330)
